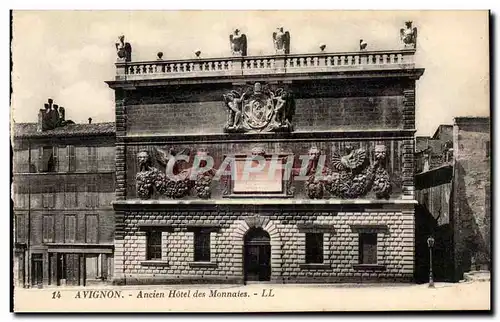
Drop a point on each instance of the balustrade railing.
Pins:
(262, 65)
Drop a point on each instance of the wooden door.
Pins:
(36, 270)
(257, 256)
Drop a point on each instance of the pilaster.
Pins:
(408, 145)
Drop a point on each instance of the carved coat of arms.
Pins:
(259, 110)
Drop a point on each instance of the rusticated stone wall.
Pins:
(395, 245)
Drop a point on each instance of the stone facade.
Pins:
(472, 186)
(358, 110)
(63, 189)
(453, 190)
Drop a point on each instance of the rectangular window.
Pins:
(21, 200)
(69, 228)
(47, 159)
(70, 196)
(91, 229)
(20, 228)
(201, 246)
(70, 153)
(48, 197)
(48, 229)
(92, 197)
(314, 248)
(368, 248)
(21, 161)
(487, 148)
(153, 242)
(92, 159)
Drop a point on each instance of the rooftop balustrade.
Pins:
(266, 65)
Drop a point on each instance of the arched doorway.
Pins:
(257, 255)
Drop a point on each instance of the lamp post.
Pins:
(430, 244)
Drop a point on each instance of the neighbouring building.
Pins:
(354, 112)
(63, 188)
(453, 190)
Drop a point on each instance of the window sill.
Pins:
(203, 264)
(314, 266)
(154, 263)
(368, 267)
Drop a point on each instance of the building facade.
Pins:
(453, 190)
(63, 188)
(348, 117)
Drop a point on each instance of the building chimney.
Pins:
(90, 120)
(62, 114)
(39, 125)
(43, 115)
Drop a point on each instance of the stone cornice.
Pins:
(250, 205)
(411, 73)
(315, 136)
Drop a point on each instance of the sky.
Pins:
(68, 55)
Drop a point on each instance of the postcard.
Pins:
(250, 161)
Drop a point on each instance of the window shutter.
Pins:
(92, 159)
(48, 228)
(92, 229)
(71, 158)
(96, 196)
(51, 229)
(71, 197)
(44, 229)
(45, 197)
(40, 159)
(92, 196)
(70, 229)
(52, 197)
(20, 228)
(55, 158)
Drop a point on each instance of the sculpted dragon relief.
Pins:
(351, 176)
(175, 182)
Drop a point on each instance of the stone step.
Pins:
(477, 276)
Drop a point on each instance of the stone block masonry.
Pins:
(348, 107)
(287, 230)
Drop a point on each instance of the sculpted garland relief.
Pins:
(259, 110)
(348, 176)
(353, 176)
(175, 182)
